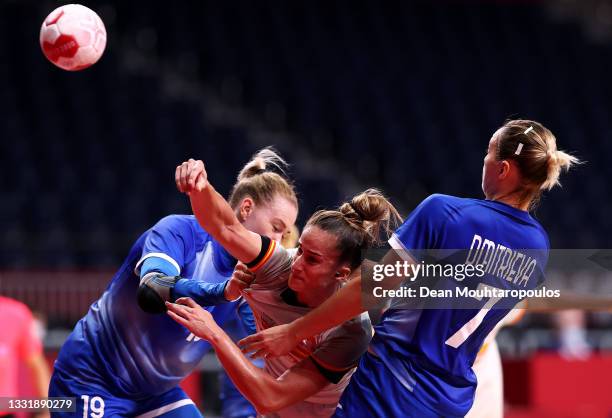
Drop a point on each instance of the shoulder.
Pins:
(437, 209)
(446, 204)
(178, 223)
(442, 205)
(185, 227)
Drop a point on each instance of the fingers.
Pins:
(178, 318)
(178, 309)
(177, 178)
(241, 284)
(249, 348)
(259, 354)
(196, 168)
(251, 343)
(190, 175)
(242, 267)
(183, 301)
(190, 302)
(242, 273)
(243, 277)
(201, 182)
(247, 341)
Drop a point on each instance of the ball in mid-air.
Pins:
(73, 37)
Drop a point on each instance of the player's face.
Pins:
(272, 219)
(490, 169)
(315, 263)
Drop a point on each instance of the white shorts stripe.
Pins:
(166, 408)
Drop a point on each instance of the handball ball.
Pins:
(73, 37)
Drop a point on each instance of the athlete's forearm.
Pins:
(212, 210)
(217, 218)
(344, 305)
(262, 390)
(205, 294)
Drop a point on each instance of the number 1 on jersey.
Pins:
(465, 331)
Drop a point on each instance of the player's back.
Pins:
(430, 351)
(138, 352)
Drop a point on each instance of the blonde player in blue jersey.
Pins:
(419, 363)
(287, 284)
(121, 361)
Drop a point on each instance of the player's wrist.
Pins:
(230, 293)
(295, 332)
(216, 335)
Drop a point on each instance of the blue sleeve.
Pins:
(224, 262)
(205, 294)
(171, 241)
(423, 228)
(246, 316)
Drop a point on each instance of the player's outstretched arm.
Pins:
(210, 294)
(214, 213)
(342, 306)
(265, 392)
(279, 340)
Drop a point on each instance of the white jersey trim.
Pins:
(401, 249)
(158, 255)
(396, 244)
(166, 408)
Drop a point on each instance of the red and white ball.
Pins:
(73, 37)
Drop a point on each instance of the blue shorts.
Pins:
(374, 392)
(95, 401)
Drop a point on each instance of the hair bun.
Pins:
(266, 159)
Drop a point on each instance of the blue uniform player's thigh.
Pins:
(91, 400)
(373, 392)
(172, 404)
(95, 401)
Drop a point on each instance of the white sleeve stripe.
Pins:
(158, 255)
(396, 244)
(402, 251)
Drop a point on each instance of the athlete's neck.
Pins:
(511, 200)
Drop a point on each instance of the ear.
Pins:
(245, 209)
(504, 169)
(342, 273)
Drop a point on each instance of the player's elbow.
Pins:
(272, 399)
(267, 406)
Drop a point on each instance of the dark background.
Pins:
(399, 95)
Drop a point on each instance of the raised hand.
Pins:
(191, 176)
(274, 342)
(193, 317)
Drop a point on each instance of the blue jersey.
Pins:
(135, 354)
(429, 352)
